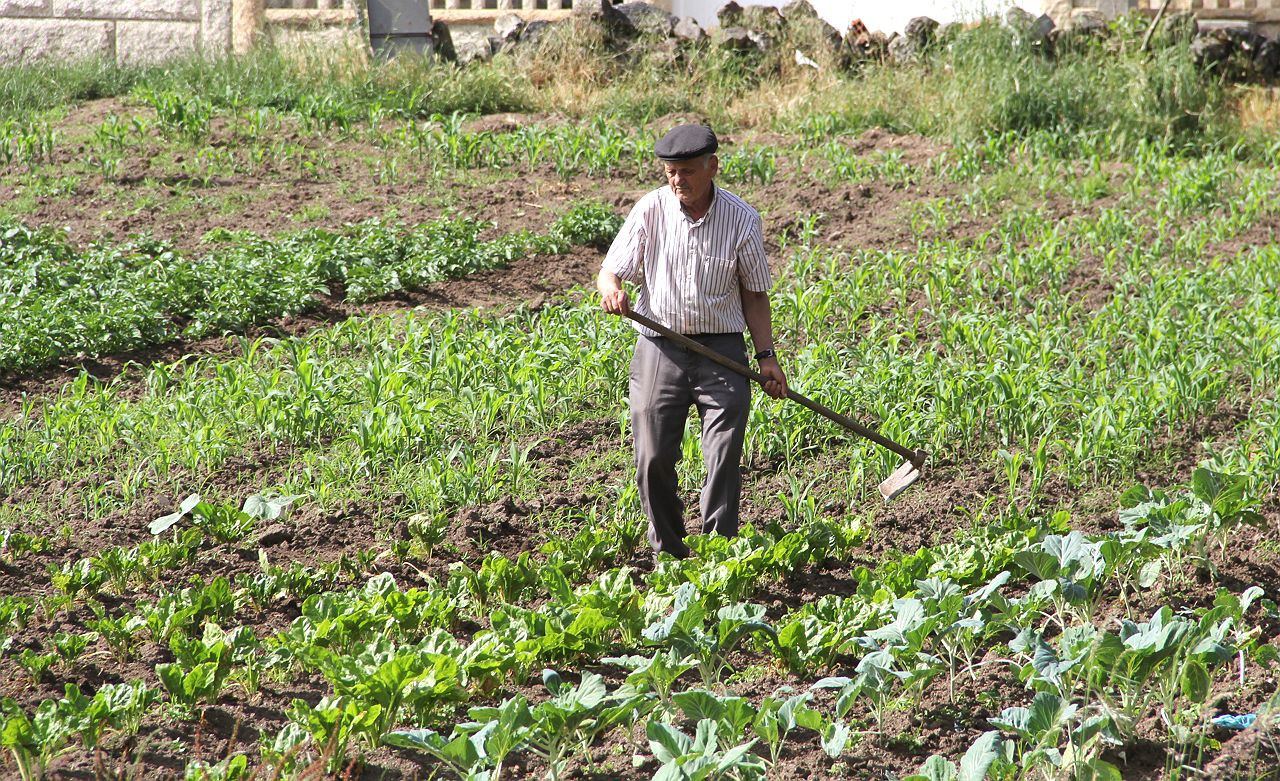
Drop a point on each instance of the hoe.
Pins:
(896, 483)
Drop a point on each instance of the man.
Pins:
(695, 254)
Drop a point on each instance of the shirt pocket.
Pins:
(717, 276)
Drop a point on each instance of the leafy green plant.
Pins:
(733, 714)
(567, 722)
(75, 578)
(656, 674)
(779, 715)
(232, 768)
(1069, 568)
(700, 756)
(1042, 728)
(70, 646)
(37, 665)
(185, 115)
(685, 630)
(14, 544)
(331, 724)
(977, 760)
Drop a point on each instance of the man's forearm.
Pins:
(755, 309)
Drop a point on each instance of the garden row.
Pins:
(59, 302)
(392, 657)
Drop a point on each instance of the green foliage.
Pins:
(111, 299)
(701, 756)
(183, 114)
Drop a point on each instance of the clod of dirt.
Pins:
(497, 526)
(274, 535)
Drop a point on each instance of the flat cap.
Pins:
(685, 142)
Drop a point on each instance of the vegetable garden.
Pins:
(314, 455)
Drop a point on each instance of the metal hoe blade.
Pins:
(898, 482)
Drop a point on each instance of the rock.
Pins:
(649, 19)
(1033, 31)
(813, 34)
(442, 41)
(536, 32)
(948, 32)
(920, 32)
(603, 13)
(150, 42)
(688, 29)
(1210, 51)
(762, 40)
(472, 47)
(761, 18)
(1087, 21)
(734, 39)
(799, 9)
(729, 15)
(1267, 60)
(274, 534)
(903, 50)
(1017, 19)
(509, 27)
(1059, 11)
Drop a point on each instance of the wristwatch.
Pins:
(760, 356)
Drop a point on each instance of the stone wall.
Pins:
(133, 32)
(128, 31)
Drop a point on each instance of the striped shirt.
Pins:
(688, 273)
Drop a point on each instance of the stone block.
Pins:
(166, 10)
(508, 27)
(24, 7)
(649, 19)
(149, 42)
(688, 29)
(31, 40)
(472, 47)
(215, 28)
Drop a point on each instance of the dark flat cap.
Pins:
(685, 142)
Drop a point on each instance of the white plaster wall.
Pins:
(888, 16)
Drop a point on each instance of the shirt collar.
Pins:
(679, 208)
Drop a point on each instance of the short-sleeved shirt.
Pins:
(688, 272)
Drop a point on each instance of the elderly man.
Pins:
(695, 254)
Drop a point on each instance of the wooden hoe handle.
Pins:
(916, 457)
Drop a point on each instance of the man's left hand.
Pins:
(777, 384)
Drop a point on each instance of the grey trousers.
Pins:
(665, 380)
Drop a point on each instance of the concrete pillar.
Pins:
(246, 24)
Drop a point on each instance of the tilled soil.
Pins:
(871, 215)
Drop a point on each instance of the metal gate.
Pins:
(399, 25)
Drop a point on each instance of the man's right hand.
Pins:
(615, 303)
(613, 298)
